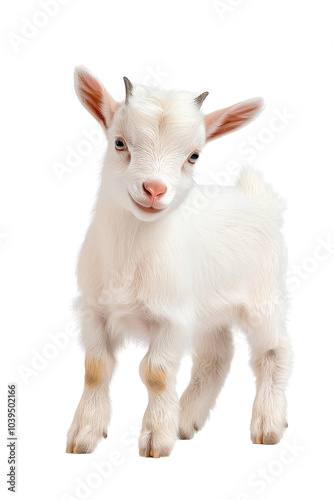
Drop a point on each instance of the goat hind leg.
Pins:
(271, 365)
(211, 365)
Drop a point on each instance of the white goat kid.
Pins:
(153, 267)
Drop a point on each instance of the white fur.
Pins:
(177, 281)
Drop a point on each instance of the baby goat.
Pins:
(159, 264)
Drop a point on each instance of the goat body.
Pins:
(161, 265)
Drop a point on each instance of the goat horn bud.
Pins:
(199, 99)
(128, 88)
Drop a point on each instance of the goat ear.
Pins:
(228, 119)
(94, 96)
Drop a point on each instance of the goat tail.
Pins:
(251, 182)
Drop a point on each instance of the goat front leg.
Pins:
(158, 371)
(91, 419)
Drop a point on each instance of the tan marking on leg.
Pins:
(93, 375)
(155, 379)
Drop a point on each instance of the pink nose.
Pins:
(154, 189)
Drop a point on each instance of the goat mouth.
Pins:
(146, 209)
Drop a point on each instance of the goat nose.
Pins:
(154, 189)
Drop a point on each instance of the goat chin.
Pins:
(178, 266)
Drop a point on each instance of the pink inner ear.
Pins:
(228, 119)
(91, 92)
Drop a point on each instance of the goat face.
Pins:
(153, 142)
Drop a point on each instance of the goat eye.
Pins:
(193, 158)
(120, 144)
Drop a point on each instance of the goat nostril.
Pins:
(154, 189)
(146, 190)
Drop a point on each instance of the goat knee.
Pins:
(94, 369)
(153, 376)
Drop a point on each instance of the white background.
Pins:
(282, 51)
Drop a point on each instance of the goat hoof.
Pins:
(152, 444)
(188, 432)
(83, 441)
(262, 433)
(266, 438)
